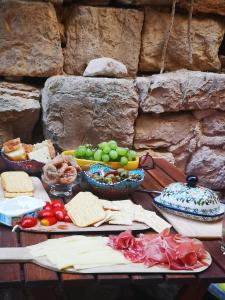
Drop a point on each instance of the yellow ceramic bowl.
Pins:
(86, 164)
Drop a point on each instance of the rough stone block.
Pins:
(94, 32)
(19, 110)
(181, 90)
(29, 39)
(206, 35)
(78, 110)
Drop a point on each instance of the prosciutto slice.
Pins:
(171, 250)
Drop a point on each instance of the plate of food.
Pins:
(85, 212)
(123, 253)
(26, 157)
(107, 153)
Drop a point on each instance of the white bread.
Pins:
(41, 154)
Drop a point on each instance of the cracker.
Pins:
(17, 182)
(85, 209)
(121, 218)
(13, 195)
(109, 204)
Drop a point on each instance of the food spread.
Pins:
(172, 251)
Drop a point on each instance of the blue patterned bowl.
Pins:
(32, 167)
(112, 191)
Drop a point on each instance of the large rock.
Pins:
(105, 67)
(206, 35)
(19, 110)
(181, 90)
(94, 32)
(80, 110)
(152, 131)
(31, 38)
(209, 165)
(205, 6)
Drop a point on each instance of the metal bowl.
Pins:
(30, 166)
(118, 190)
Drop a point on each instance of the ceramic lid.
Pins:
(190, 198)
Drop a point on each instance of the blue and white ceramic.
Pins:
(190, 201)
(113, 191)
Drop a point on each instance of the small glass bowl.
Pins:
(62, 190)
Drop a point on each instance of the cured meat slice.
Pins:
(173, 250)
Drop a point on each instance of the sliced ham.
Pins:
(172, 250)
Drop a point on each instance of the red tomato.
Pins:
(59, 213)
(48, 206)
(57, 204)
(28, 222)
(46, 213)
(48, 221)
(67, 219)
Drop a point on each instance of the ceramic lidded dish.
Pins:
(117, 190)
(190, 201)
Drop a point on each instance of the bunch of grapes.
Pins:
(105, 151)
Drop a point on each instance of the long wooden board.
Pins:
(60, 227)
(23, 254)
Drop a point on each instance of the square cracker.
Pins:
(16, 182)
(85, 209)
(13, 195)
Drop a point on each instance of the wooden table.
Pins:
(28, 281)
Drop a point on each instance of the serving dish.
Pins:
(86, 164)
(116, 190)
(30, 166)
(190, 201)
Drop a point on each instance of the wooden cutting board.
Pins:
(13, 255)
(193, 228)
(40, 192)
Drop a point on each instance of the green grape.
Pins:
(98, 155)
(102, 145)
(105, 157)
(112, 144)
(121, 151)
(89, 152)
(113, 154)
(106, 149)
(131, 155)
(123, 161)
(80, 152)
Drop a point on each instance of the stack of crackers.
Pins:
(86, 209)
(16, 183)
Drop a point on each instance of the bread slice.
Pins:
(85, 209)
(12, 145)
(17, 155)
(16, 182)
(42, 155)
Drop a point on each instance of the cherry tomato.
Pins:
(28, 222)
(48, 206)
(67, 219)
(57, 204)
(46, 213)
(59, 213)
(48, 221)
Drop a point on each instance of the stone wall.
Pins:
(179, 115)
